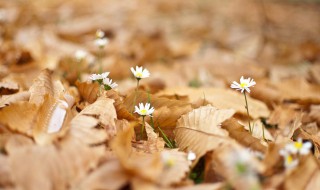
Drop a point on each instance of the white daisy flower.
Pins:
(99, 34)
(108, 84)
(289, 162)
(244, 85)
(144, 110)
(99, 77)
(140, 73)
(302, 148)
(191, 156)
(101, 42)
(167, 159)
(80, 55)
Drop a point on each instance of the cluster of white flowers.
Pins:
(292, 151)
(103, 80)
(101, 41)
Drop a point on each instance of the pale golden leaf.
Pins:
(41, 86)
(167, 111)
(88, 91)
(207, 119)
(5, 173)
(222, 99)
(20, 117)
(6, 100)
(241, 135)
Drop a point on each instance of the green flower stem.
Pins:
(168, 142)
(135, 95)
(142, 128)
(247, 108)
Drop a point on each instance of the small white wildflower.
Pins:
(167, 159)
(140, 73)
(240, 162)
(244, 85)
(101, 42)
(99, 34)
(144, 110)
(191, 156)
(299, 147)
(108, 84)
(80, 55)
(289, 162)
(99, 77)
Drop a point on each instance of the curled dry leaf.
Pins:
(52, 120)
(105, 111)
(122, 111)
(167, 111)
(41, 86)
(83, 125)
(8, 88)
(20, 117)
(241, 135)
(6, 100)
(88, 91)
(222, 99)
(153, 144)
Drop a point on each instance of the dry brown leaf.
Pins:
(110, 175)
(222, 99)
(122, 111)
(132, 161)
(83, 125)
(52, 120)
(5, 173)
(257, 130)
(8, 88)
(52, 167)
(174, 174)
(16, 141)
(105, 111)
(241, 135)
(167, 111)
(6, 100)
(211, 186)
(19, 117)
(307, 93)
(300, 177)
(207, 119)
(41, 86)
(152, 145)
(88, 91)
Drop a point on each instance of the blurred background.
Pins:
(190, 42)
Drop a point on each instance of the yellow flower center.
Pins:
(298, 145)
(143, 112)
(170, 162)
(138, 74)
(243, 85)
(289, 159)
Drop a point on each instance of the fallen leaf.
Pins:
(6, 100)
(88, 91)
(222, 99)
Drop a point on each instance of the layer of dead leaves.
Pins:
(57, 132)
